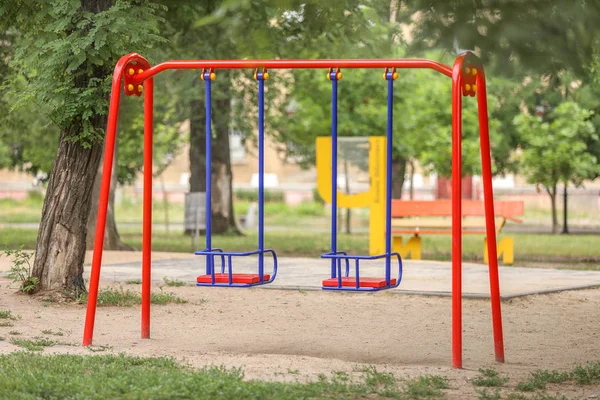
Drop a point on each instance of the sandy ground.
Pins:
(271, 333)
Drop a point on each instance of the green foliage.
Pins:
(66, 55)
(427, 386)
(489, 377)
(556, 149)
(270, 195)
(173, 282)
(33, 345)
(586, 374)
(20, 270)
(126, 298)
(7, 314)
(486, 395)
(68, 377)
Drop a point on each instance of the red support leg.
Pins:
(109, 150)
(486, 168)
(147, 224)
(457, 215)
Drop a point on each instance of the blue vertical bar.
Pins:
(334, 140)
(388, 188)
(209, 259)
(261, 173)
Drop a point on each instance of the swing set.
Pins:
(136, 75)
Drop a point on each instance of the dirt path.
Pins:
(274, 333)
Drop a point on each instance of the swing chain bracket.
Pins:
(208, 74)
(335, 76)
(261, 76)
(390, 74)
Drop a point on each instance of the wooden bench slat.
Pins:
(440, 223)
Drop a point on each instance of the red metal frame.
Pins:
(137, 75)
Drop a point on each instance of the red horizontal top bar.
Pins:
(288, 64)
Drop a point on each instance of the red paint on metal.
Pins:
(488, 198)
(287, 64)
(362, 282)
(111, 131)
(456, 213)
(147, 218)
(235, 278)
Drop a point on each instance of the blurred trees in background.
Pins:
(57, 57)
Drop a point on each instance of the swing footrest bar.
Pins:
(358, 283)
(226, 277)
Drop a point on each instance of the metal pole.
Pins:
(488, 197)
(456, 215)
(388, 189)
(334, 92)
(261, 171)
(207, 78)
(147, 223)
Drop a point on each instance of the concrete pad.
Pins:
(419, 277)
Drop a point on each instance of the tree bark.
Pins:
(60, 249)
(565, 228)
(112, 239)
(398, 172)
(552, 194)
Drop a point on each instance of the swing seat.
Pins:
(350, 281)
(244, 279)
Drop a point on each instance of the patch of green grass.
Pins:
(586, 374)
(173, 282)
(486, 395)
(293, 371)
(5, 323)
(425, 387)
(33, 345)
(489, 377)
(119, 297)
(134, 282)
(30, 375)
(7, 314)
(51, 332)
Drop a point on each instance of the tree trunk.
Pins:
(223, 219)
(565, 228)
(552, 194)
(60, 249)
(347, 184)
(412, 180)
(398, 171)
(112, 240)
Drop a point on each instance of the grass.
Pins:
(573, 250)
(30, 375)
(426, 387)
(134, 282)
(7, 314)
(173, 282)
(5, 323)
(119, 297)
(581, 374)
(33, 345)
(51, 332)
(489, 377)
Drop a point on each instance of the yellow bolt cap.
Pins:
(467, 87)
(468, 70)
(131, 71)
(474, 88)
(140, 88)
(212, 76)
(395, 76)
(140, 71)
(474, 71)
(338, 76)
(130, 87)
(265, 76)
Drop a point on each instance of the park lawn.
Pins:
(29, 375)
(565, 251)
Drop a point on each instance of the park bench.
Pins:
(433, 217)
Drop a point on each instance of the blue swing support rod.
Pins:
(227, 278)
(345, 283)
